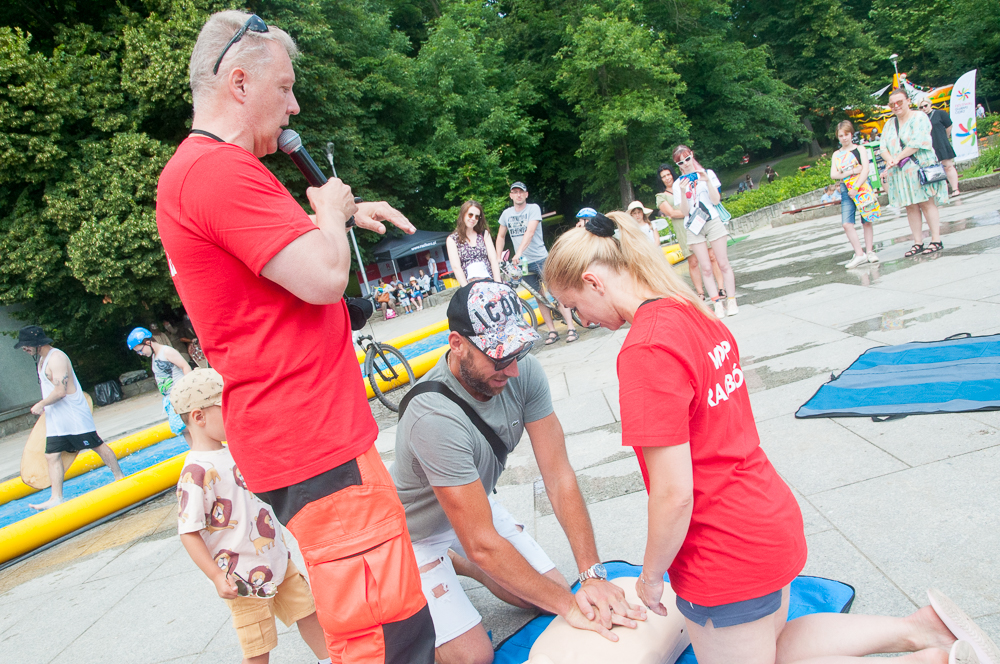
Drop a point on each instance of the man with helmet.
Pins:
(168, 366)
(69, 424)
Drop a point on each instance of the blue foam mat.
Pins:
(949, 376)
(809, 594)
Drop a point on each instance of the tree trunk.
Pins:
(624, 184)
(814, 149)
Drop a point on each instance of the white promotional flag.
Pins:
(963, 117)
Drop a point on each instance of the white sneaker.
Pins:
(731, 308)
(872, 257)
(856, 261)
(720, 310)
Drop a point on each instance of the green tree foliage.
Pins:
(428, 103)
(616, 75)
(818, 49)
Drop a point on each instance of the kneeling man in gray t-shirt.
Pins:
(445, 471)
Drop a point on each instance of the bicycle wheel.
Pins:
(389, 374)
(528, 314)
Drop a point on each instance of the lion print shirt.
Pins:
(239, 529)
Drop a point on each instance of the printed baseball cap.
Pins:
(489, 315)
(519, 185)
(200, 388)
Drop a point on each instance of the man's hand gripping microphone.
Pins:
(290, 143)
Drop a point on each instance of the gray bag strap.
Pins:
(499, 449)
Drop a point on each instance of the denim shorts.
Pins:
(848, 210)
(727, 615)
(536, 274)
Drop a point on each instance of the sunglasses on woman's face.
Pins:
(684, 160)
(897, 103)
(925, 106)
(253, 24)
(472, 215)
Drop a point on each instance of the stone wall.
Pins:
(766, 215)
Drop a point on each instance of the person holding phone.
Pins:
(696, 194)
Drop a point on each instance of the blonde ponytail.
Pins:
(577, 249)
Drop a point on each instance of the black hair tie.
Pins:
(600, 226)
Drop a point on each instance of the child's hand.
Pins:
(225, 587)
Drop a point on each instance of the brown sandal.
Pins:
(914, 251)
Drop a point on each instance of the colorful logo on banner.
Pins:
(963, 117)
(967, 131)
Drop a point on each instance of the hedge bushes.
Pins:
(781, 189)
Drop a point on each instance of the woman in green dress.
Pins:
(906, 147)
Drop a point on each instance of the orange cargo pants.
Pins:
(361, 566)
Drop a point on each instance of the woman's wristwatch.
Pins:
(595, 571)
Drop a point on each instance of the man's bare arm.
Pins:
(559, 478)
(468, 509)
(315, 266)
(529, 233)
(501, 237)
(172, 355)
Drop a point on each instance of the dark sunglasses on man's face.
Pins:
(504, 362)
(253, 24)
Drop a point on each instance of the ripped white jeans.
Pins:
(450, 608)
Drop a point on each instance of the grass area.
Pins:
(989, 159)
(785, 167)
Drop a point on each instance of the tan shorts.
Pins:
(253, 617)
(713, 230)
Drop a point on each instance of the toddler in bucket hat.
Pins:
(488, 314)
(197, 389)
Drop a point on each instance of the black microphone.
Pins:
(290, 143)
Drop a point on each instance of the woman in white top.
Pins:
(640, 213)
(696, 193)
(470, 248)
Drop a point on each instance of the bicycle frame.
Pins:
(370, 346)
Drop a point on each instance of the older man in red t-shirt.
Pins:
(263, 285)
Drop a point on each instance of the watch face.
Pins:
(600, 572)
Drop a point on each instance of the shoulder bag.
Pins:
(925, 174)
(492, 437)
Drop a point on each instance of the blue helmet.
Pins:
(137, 336)
(586, 213)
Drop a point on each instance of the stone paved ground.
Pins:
(890, 508)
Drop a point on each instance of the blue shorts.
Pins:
(177, 425)
(848, 210)
(728, 615)
(536, 274)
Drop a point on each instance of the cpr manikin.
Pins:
(657, 640)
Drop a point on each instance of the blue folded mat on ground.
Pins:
(810, 594)
(958, 374)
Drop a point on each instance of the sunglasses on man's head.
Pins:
(254, 24)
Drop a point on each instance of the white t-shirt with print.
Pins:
(239, 529)
(701, 193)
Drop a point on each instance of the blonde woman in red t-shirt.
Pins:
(721, 520)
